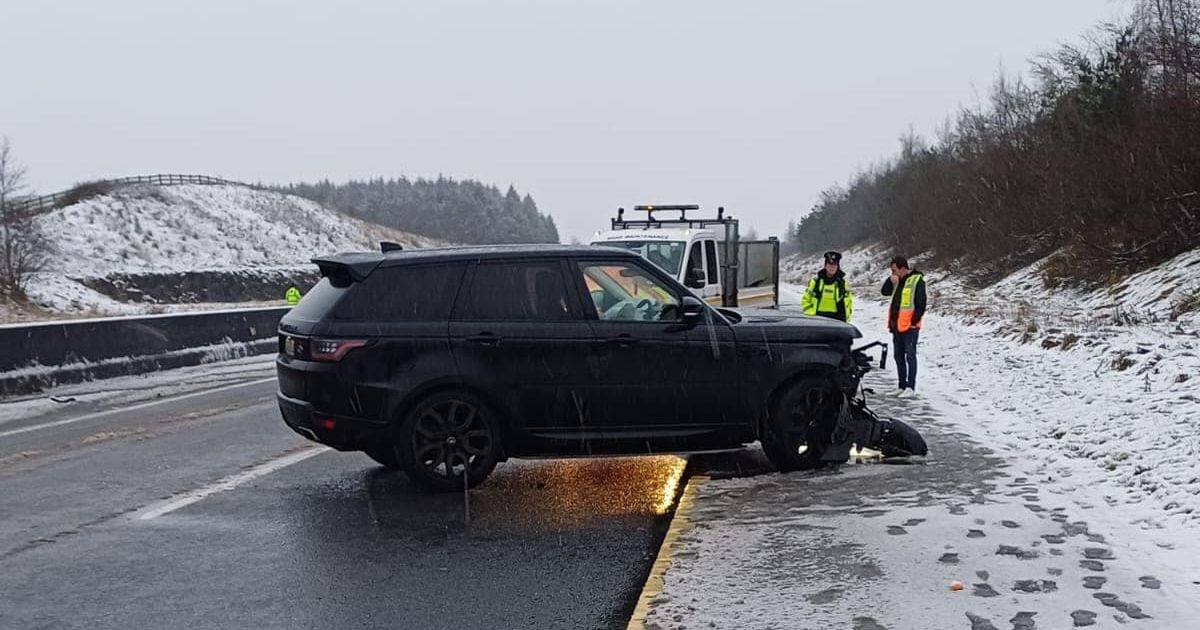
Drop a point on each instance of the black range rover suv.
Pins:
(444, 362)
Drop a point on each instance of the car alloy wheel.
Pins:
(449, 437)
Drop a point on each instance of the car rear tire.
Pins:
(801, 425)
(446, 437)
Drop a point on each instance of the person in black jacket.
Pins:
(905, 316)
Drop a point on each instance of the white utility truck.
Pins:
(706, 255)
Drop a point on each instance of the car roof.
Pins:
(363, 262)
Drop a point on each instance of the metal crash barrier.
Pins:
(44, 354)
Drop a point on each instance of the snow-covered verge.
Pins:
(128, 390)
(1165, 297)
(160, 229)
(875, 546)
(12, 312)
(1101, 389)
(60, 296)
(38, 377)
(1058, 494)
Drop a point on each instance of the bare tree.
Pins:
(1170, 32)
(21, 246)
(1094, 163)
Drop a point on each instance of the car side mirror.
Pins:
(695, 279)
(692, 309)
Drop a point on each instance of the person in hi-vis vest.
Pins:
(904, 317)
(828, 295)
(292, 295)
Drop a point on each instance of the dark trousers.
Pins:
(904, 345)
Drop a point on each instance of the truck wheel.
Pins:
(800, 428)
(446, 437)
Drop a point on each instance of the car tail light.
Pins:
(332, 349)
(295, 347)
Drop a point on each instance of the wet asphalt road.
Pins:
(332, 541)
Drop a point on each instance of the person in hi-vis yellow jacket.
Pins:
(292, 295)
(827, 294)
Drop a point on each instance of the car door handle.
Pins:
(623, 341)
(484, 339)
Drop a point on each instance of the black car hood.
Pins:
(776, 325)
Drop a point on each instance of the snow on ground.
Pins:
(878, 546)
(156, 229)
(71, 299)
(1057, 491)
(12, 312)
(182, 228)
(60, 292)
(128, 390)
(1146, 298)
(1104, 406)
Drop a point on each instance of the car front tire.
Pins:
(799, 431)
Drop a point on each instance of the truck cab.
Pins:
(704, 254)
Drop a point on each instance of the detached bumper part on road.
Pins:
(339, 432)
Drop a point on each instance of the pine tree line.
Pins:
(465, 211)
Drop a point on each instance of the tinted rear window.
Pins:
(516, 291)
(403, 294)
(319, 301)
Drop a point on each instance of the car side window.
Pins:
(515, 291)
(626, 292)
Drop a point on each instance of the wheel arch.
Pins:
(802, 372)
(401, 406)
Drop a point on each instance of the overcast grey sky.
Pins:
(586, 105)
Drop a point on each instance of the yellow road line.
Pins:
(680, 523)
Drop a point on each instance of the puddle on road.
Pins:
(521, 497)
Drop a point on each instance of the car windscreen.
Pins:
(668, 255)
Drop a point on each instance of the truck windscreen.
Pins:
(666, 254)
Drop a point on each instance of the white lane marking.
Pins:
(100, 414)
(156, 510)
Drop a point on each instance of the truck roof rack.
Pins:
(652, 222)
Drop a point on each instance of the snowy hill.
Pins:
(1167, 295)
(143, 232)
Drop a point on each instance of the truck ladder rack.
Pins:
(652, 223)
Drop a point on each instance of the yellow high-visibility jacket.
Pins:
(828, 297)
